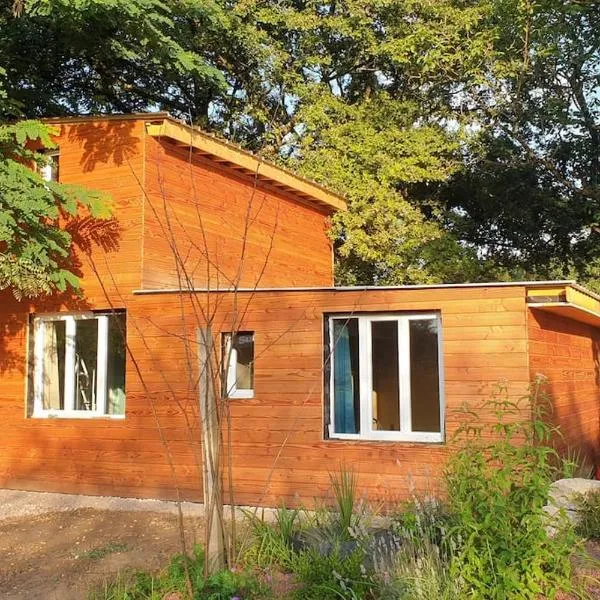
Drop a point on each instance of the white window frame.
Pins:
(46, 170)
(69, 412)
(230, 357)
(366, 380)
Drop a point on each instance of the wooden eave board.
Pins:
(570, 311)
(239, 159)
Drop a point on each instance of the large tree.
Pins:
(68, 57)
(527, 197)
(464, 134)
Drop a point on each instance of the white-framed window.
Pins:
(50, 171)
(385, 377)
(78, 365)
(238, 364)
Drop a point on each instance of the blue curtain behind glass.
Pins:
(345, 421)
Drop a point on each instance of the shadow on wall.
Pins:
(14, 318)
(574, 385)
(105, 141)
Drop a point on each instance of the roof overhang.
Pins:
(233, 157)
(566, 300)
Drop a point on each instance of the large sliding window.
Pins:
(79, 365)
(384, 379)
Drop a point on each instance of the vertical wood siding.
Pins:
(568, 354)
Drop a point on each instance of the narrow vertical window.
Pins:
(386, 382)
(50, 171)
(346, 379)
(238, 364)
(424, 375)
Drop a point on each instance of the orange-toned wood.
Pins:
(278, 452)
(206, 224)
(567, 353)
(116, 156)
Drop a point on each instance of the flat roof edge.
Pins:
(141, 116)
(530, 284)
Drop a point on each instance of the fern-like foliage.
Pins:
(35, 250)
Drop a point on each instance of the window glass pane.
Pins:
(386, 392)
(53, 382)
(346, 389)
(424, 375)
(244, 375)
(86, 364)
(115, 372)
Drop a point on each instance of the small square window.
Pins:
(238, 364)
(78, 363)
(50, 170)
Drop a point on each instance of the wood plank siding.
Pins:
(129, 457)
(169, 200)
(225, 228)
(279, 451)
(567, 353)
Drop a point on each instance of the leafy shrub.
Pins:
(497, 484)
(588, 506)
(331, 577)
(144, 586)
(421, 566)
(422, 520)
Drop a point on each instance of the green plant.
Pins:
(588, 506)
(497, 484)
(421, 564)
(422, 520)
(344, 484)
(422, 572)
(573, 463)
(101, 552)
(286, 519)
(332, 577)
(270, 544)
(144, 586)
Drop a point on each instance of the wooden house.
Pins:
(99, 391)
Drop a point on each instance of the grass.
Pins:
(103, 551)
(141, 585)
(588, 506)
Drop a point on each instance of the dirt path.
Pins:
(61, 555)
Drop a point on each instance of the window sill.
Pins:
(415, 438)
(241, 394)
(75, 415)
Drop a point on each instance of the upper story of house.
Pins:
(190, 210)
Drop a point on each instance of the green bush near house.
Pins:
(497, 486)
(488, 541)
(588, 506)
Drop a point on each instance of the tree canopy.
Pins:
(465, 134)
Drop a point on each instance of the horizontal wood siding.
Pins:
(224, 227)
(567, 353)
(278, 449)
(108, 457)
